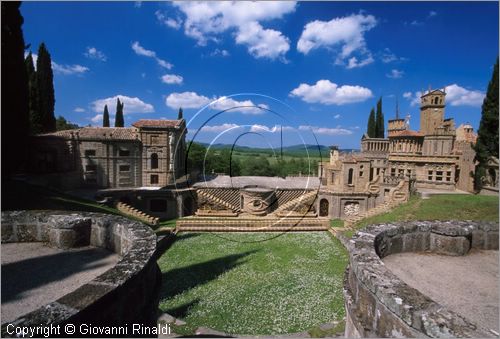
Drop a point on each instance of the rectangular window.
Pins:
(158, 205)
(439, 175)
(361, 173)
(124, 152)
(429, 175)
(90, 168)
(90, 152)
(155, 139)
(154, 179)
(393, 171)
(124, 168)
(448, 176)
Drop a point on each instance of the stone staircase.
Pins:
(134, 212)
(382, 208)
(250, 224)
(213, 197)
(302, 199)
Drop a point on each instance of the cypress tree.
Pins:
(105, 117)
(34, 109)
(15, 118)
(179, 116)
(45, 85)
(371, 131)
(487, 140)
(119, 122)
(379, 120)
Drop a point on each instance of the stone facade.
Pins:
(148, 154)
(438, 156)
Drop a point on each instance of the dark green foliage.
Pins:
(119, 122)
(487, 141)
(195, 157)
(258, 166)
(105, 117)
(179, 116)
(379, 121)
(45, 85)
(62, 124)
(15, 118)
(371, 129)
(33, 103)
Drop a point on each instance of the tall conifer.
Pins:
(33, 101)
(45, 85)
(379, 120)
(119, 121)
(487, 141)
(105, 117)
(371, 129)
(179, 116)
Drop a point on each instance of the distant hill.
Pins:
(294, 150)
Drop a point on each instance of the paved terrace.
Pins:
(271, 182)
(34, 275)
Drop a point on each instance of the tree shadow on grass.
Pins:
(180, 280)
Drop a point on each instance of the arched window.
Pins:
(436, 101)
(323, 208)
(349, 179)
(154, 161)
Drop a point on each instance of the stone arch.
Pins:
(187, 206)
(324, 208)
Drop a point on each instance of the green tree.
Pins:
(62, 124)
(179, 116)
(257, 166)
(105, 117)
(119, 122)
(379, 120)
(33, 103)
(15, 118)
(45, 85)
(487, 140)
(371, 129)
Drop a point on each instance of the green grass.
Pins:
(336, 223)
(254, 284)
(438, 207)
(17, 195)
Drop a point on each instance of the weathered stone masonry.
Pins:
(379, 304)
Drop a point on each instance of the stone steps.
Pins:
(133, 212)
(250, 225)
(298, 200)
(385, 207)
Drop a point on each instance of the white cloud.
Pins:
(455, 96)
(221, 52)
(219, 128)
(61, 69)
(194, 100)
(69, 69)
(325, 130)
(336, 116)
(395, 74)
(205, 21)
(431, 14)
(167, 21)
(416, 23)
(130, 105)
(139, 50)
(79, 110)
(96, 118)
(94, 53)
(328, 93)
(276, 128)
(172, 79)
(138, 4)
(262, 43)
(186, 100)
(459, 96)
(387, 56)
(354, 63)
(346, 33)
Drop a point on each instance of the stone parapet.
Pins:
(126, 294)
(379, 304)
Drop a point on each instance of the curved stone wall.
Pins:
(379, 304)
(126, 294)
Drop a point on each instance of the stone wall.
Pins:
(126, 294)
(379, 304)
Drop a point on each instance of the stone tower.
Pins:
(431, 111)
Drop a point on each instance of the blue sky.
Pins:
(311, 67)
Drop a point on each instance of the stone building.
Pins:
(143, 165)
(436, 157)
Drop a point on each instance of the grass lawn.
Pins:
(439, 207)
(253, 283)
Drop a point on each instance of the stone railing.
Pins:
(126, 294)
(379, 304)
